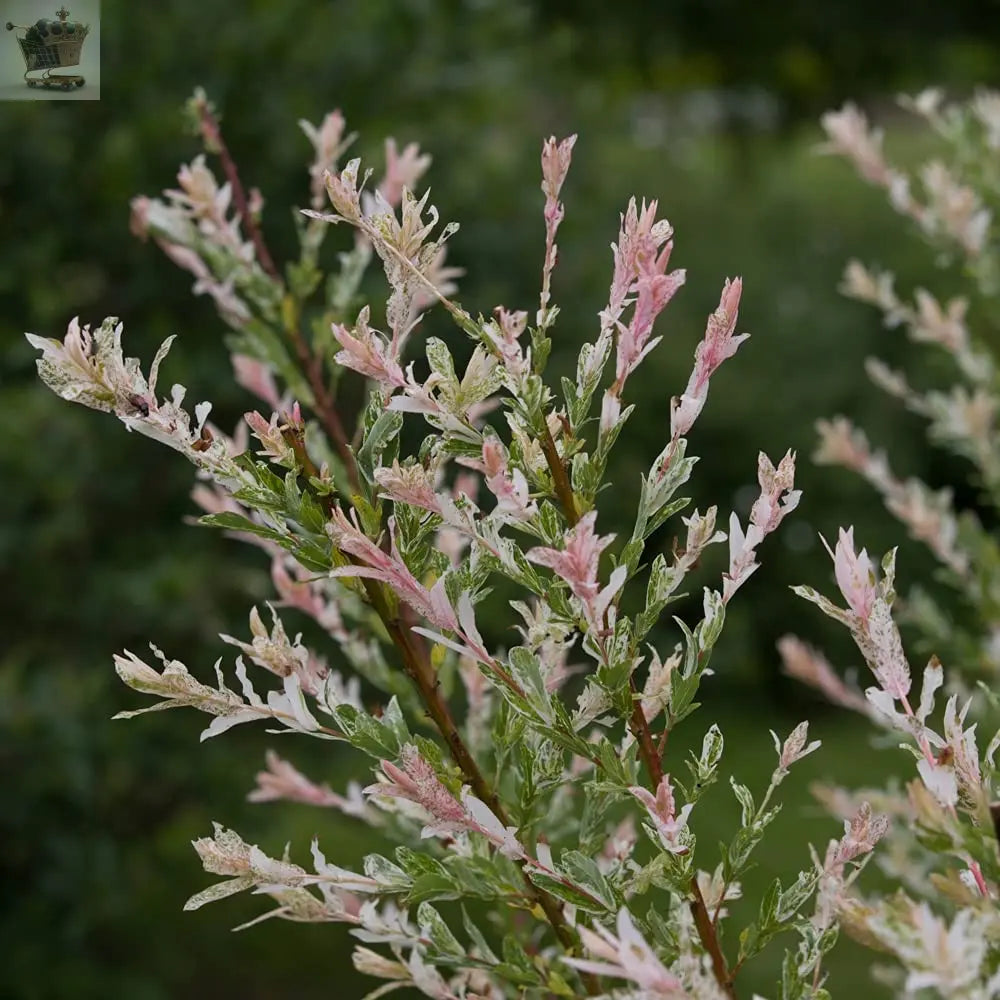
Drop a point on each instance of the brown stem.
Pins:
(564, 489)
(419, 670)
(212, 136)
(661, 746)
(647, 748)
(312, 364)
(710, 939)
(324, 405)
(707, 931)
(417, 667)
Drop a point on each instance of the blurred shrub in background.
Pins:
(704, 107)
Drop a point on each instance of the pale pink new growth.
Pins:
(257, 378)
(274, 651)
(231, 307)
(450, 541)
(870, 617)
(964, 752)
(807, 665)
(365, 351)
(328, 143)
(283, 782)
(556, 159)
(504, 333)
(841, 443)
(408, 484)
(389, 568)
(656, 690)
(139, 217)
(304, 593)
(200, 193)
(945, 326)
(270, 433)
(777, 498)
(851, 136)
(626, 956)
(509, 487)
(342, 189)
(718, 344)
(577, 564)
(861, 834)
(954, 208)
(653, 288)
(640, 278)
(402, 170)
(662, 811)
(637, 252)
(855, 576)
(928, 515)
(795, 747)
(417, 782)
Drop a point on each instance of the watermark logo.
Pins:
(45, 57)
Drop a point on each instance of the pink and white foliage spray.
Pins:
(942, 848)
(526, 792)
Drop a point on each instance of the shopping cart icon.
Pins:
(48, 45)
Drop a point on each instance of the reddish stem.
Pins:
(564, 489)
(212, 135)
(647, 748)
(706, 928)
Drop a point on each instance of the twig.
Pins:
(640, 729)
(212, 135)
(560, 480)
(420, 672)
(710, 939)
(324, 405)
(312, 364)
(647, 749)
(417, 666)
(707, 930)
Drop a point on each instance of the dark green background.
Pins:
(710, 107)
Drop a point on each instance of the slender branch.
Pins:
(661, 746)
(419, 670)
(324, 404)
(564, 489)
(710, 939)
(707, 930)
(212, 136)
(312, 364)
(641, 731)
(647, 748)
(417, 666)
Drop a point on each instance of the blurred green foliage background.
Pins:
(708, 106)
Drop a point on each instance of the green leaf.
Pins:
(526, 669)
(567, 893)
(390, 877)
(478, 939)
(432, 925)
(584, 872)
(383, 433)
(368, 734)
(237, 522)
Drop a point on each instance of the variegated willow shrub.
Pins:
(942, 923)
(540, 788)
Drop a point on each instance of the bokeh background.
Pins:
(711, 106)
